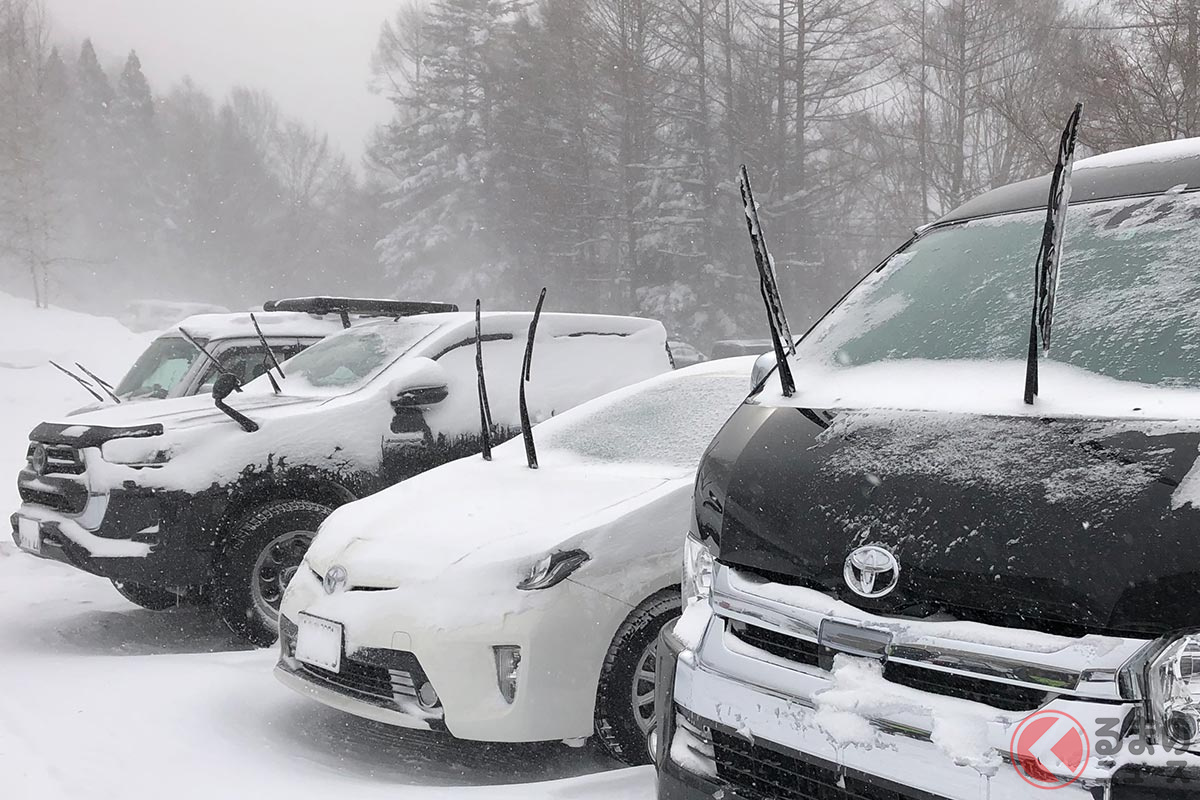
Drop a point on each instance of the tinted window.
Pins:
(1128, 290)
(247, 363)
(354, 356)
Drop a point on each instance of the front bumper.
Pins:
(449, 629)
(763, 738)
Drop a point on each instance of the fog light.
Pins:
(508, 664)
(426, 696)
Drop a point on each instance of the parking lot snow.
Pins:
(102, 699)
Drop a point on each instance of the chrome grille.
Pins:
(60, 459)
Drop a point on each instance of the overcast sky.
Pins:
(312, 55)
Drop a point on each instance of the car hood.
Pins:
(476, 514)
(1065, 524)
(137, 419)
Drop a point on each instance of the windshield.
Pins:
(159, 368)
(349, 359)
(1125, 309)
(669, 422)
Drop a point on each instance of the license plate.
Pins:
(29, 535)
(319, 642)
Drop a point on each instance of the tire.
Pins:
(629, 671)
(150, 598)
(259, 554)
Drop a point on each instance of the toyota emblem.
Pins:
(335, 579)
(38, 458)
(872, 571)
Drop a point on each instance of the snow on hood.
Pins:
(980, 387)
(475, 513)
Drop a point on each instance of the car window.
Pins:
(352, 357)
(159, 368)
(1125, 306)
(668, 422)
(247, 363)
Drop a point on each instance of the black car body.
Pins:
(906, 582)
(179, 499)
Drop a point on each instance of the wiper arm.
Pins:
(1050, 253)
(220, 367)
(78, 380)
(526, 428)
(776, 319)
(270, 355)
(485, 411)
(107, 387)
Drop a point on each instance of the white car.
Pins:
(502, 603)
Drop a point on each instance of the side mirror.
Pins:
(762, 368)
(423, 383)
(418, 397)
(225, 385)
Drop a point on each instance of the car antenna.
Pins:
(79, 380)
(526, 428)
(1045, 286)
(776, 318)
(220, 367)
(103, 384)
(270, 355)
(485, 411)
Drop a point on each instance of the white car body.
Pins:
(432, 565)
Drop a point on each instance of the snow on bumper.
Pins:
(450, 628)
(849, 724)
(71, 529)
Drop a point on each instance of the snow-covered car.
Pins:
(172, 366)
(181, 498)
(684, 354)
(910, 576)
(501, 603)
(731, 348)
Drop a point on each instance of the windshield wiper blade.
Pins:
(270, 355)
(485, 411)
(105, 385)
(1050, 253)
(78, 380)
(526, 428)
(776, 319)
(220, 367)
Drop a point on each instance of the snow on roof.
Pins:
(273, 323)
(1147, 153)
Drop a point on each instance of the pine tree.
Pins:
(95, 92)
(134, 103)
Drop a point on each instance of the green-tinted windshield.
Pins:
(159, 368)
(1128, 294)
(349, 359)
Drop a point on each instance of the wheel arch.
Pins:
(257, 491)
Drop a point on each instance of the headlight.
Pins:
(1174, 694)
(553, 569)
(697, 570)
(131, 452)
(508, 664)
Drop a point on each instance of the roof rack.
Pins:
(363, 306)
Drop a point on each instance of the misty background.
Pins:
(590, 146)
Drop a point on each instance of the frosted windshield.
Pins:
(349, 359)
(670, 422)
(1127, 294)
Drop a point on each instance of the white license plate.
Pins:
(319, 642)
(29, 535)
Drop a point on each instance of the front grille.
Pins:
(802, 651)
(757, 771)
(61, 459)
(355, 678)
(997, 695)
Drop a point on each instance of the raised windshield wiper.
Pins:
(237, 385)
(105, 385)
(485, 411)
(776, 319)
(526, 428)
(270, 355)
(78, 380)
(1050, 253)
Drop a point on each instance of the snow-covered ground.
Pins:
(100, 699)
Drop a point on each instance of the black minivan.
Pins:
(902, 581)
